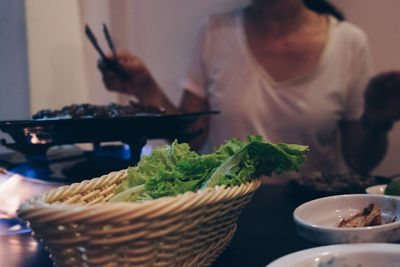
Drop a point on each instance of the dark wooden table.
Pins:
(266, 229)
(265, 232)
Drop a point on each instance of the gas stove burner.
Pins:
(101, 160)
(70, 164)
(34, 137)
(92, 168)
(13, 226)
(48, 167)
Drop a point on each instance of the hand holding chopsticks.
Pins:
(140, 81)
(112, 64)
(125, 73)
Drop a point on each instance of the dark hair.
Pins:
(324, 7)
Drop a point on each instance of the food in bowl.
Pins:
(111, 110)
(336, 183)
(317, 220)
(369, 216)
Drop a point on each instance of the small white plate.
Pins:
(376, 189)
(365, 255)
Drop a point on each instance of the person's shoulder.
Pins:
(351, 33)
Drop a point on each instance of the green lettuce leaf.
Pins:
(258, 158)
(175, 169)
(134, 194)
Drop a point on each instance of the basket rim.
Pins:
(37, 207)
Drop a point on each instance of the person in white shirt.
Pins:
(286, 72)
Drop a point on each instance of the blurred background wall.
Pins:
(14, 81)
(62, 63)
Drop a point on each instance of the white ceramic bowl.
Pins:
(365, 255)
(317, 220)
(376, 189)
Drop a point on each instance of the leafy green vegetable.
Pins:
(174, 169)
(255, 159)
(393, 188)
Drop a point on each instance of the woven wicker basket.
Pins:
(80, 229)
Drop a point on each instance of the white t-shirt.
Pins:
(305, 110)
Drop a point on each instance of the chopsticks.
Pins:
(93, 40)
(112, 64)
(109, 40)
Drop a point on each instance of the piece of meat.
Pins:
(370, 216)
(111, 110)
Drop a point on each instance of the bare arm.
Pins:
(193, 103)
(142, 85)
(364, 142)
(362, 149)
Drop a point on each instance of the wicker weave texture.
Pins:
(80, 229)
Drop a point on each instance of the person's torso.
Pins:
(304, 110)
(285, 53)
